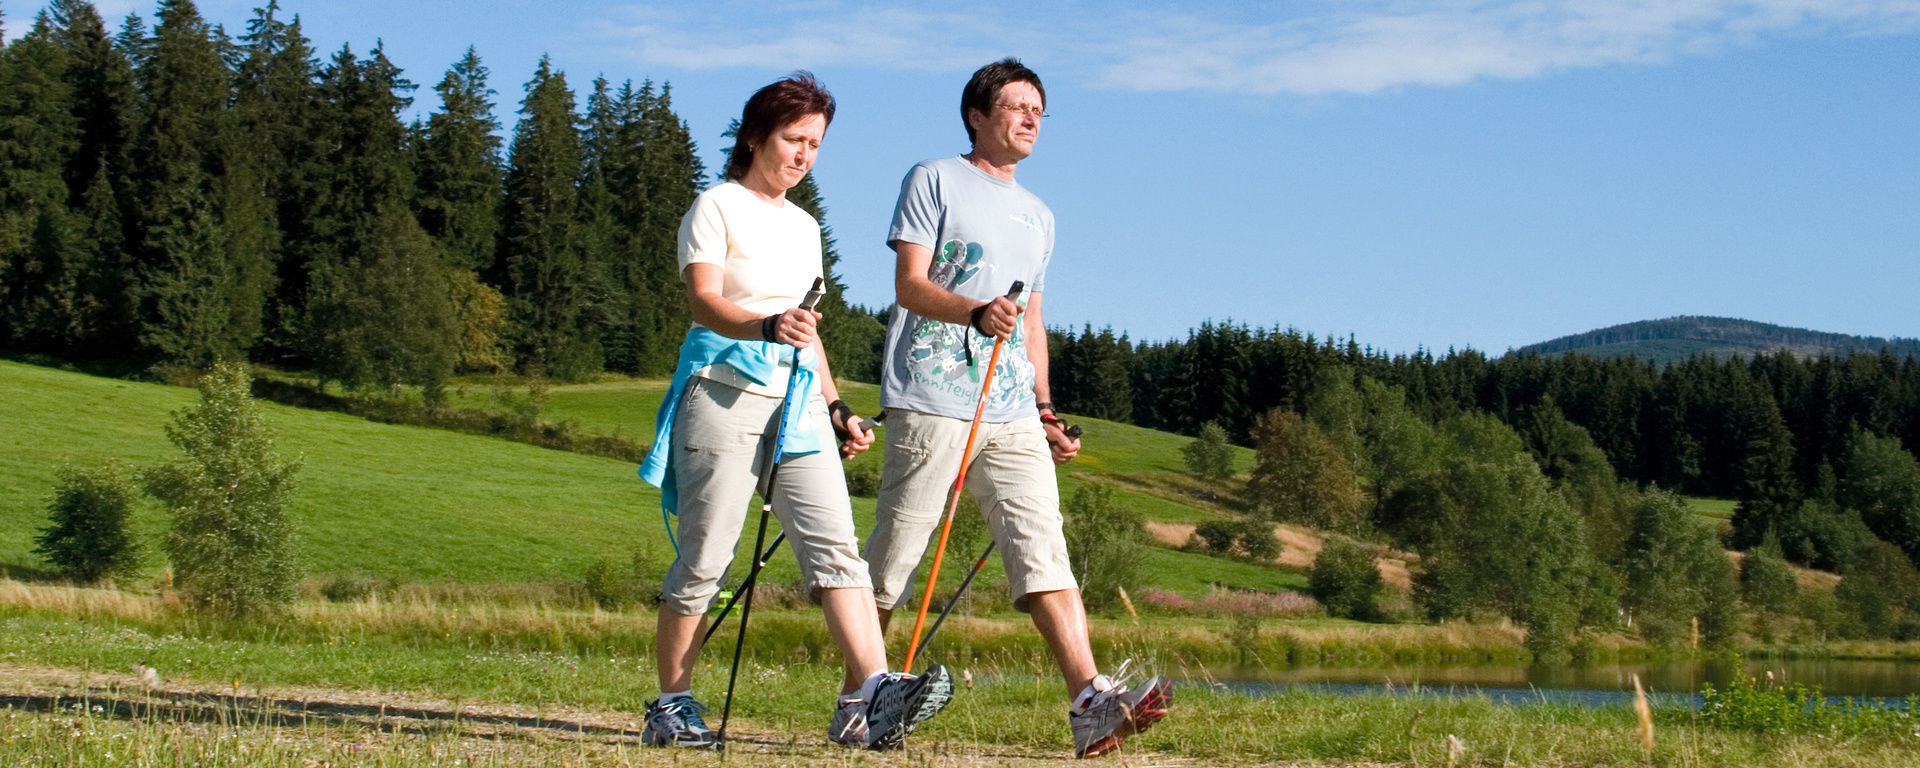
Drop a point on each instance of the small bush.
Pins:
(612, 588)
(1743, 706)
(232, 541)
(863, 478)
(87, 539)
(1215, 536)
(350, 587)
(1107, 542)
(1345, 580)
(1255, 540)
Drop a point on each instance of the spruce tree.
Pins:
(459, 164)
(671, 173)
(379, 304)
(458, 157)
(201, 271)
(274, 115)
(38, 246)
(851, 335)
(101, 318)
(540, 267)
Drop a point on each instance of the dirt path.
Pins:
(375, 715)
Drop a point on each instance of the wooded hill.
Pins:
(1668, 341)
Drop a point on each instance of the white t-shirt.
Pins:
(768, 252)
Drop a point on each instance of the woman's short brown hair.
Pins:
(784, 101)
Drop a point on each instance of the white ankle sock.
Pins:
(666, 696)
(871, 685)
(1100, 683)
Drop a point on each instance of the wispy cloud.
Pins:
(1333, 48)
(1441, 44)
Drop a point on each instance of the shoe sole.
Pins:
(931, 693)
(1151, 706)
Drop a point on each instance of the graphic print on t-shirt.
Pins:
(938, 353)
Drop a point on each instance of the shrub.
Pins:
(1209, 457)
(610, 587)
(863, 478)
(87, 538)
(1878, 591)
(231, 543)
(1107, 541)
(1676, 572)
(1215, 536)
(1255, 540)
(1302, 476)
(1345, 580)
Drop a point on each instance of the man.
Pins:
(964, 232)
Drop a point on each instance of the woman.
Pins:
(748, 256)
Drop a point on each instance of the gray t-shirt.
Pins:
(985, 232)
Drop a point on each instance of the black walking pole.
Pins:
(766, 509)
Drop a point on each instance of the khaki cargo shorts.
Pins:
(1011, 477)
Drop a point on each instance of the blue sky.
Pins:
(1415, 174)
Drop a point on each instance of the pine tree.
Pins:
(459, 162)
(850, 334)
(671, 173)
(379, 306)
(37, 244)
(201, 273)
(541, 268)
(459, 205)
(101, 317)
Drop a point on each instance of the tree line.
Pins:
(1773, 431)
(183, 195)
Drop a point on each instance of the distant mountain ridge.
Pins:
(1678, 338)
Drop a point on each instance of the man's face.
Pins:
(1012, 123)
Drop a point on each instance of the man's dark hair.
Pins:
(784, 101)
(986, 84)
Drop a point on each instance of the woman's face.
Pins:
(786, 155)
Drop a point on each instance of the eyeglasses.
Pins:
(1023, 109)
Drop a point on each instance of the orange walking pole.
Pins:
(953, 503)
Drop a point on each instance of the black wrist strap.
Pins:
(768, 326)
(842, 420)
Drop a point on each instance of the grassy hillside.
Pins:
(1677, 338)
(416, 504)
(389, 501)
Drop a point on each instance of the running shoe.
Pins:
(849, 726)
(677, 723)
(1113, 714)
(903, 702)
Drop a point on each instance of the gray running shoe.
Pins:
(1116, 713)
(849, 726)
(904, 701)
(678, 723)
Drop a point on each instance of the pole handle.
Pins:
(818, 290)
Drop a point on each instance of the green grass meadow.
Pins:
(477, 648)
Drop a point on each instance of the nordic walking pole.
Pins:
(766, 509)
(1072, 431)
(966, 461)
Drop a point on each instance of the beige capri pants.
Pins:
(1012, 479)
(722, 438)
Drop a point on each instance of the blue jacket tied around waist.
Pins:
(759, 362)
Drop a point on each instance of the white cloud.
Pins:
(1450, 44)
(1335, 48)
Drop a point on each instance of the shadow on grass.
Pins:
(263, 711)
(30, 574)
